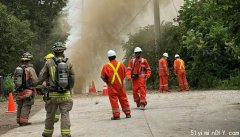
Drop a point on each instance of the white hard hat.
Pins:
(165, 54)
(137, 49)
(177, 56)
(111, 53)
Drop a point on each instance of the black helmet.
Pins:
(26, 56)
(58, 47)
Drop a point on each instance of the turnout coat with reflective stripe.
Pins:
(49, 71)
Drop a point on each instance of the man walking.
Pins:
(139, 71)
(113, 73)
(24, 79)
(57, 114)
(180, 72)
(58, 71)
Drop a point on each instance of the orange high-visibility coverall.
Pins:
(113, 74)
(163, 73)
(179, 70)
(141, 67)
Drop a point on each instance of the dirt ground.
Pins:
(197, 112)
(8, 120)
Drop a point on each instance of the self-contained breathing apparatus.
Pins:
(21, 79)
(62, 75)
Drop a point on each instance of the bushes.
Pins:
(232, 83)
(8, 84)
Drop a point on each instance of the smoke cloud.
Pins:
(98, 26)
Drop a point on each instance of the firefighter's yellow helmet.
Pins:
(48, 56)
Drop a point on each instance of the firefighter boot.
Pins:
(66, 136)
(115, 118)
(25, 124)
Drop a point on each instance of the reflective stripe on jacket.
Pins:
(138, 66)
(48, 73)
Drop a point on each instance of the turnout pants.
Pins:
(23, 109)
(51, 107)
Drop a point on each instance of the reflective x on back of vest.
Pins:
(181, 65)
(115, 70)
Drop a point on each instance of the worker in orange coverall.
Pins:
(163, 73)
(113, 73)
(180, 72)
(139, 71)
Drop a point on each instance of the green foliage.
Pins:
(210, 40)
(15, 38)
(8, 84)
(232, 83)
(42, 17)
(2, 99)
(145, 40)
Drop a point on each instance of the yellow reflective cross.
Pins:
(115, 72)
(181, 64)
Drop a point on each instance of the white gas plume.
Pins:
(100, 25)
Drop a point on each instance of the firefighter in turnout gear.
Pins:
(180, 72)
(163, 73)
(25, 79)
(139, 71)
(57, 114)
(113, 73)
(58, 71)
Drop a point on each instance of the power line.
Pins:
(174, 7)
(131, 21)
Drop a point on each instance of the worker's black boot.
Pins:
(115, 118)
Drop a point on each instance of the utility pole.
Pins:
(157, 24)
(82, 29)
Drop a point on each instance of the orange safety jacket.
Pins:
(163, 67)
(138, 66)
(113, 73)
(179, 66)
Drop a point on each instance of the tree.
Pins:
(15, 38)
(42, 15)
(210, 32)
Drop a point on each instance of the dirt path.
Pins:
(8, 120)
(186, 114)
